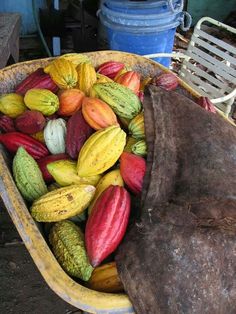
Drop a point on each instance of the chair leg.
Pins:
(229, 106)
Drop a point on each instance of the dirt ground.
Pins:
(22, 288)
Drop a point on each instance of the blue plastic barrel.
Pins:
(24, 7)
(137, 29)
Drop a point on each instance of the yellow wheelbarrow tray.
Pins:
(72, 292)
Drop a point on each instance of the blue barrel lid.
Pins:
(140, 20)
(145, 6)
(137, 29)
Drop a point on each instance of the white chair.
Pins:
(209, 65)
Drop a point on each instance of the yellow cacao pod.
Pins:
(39, 136)
(65, 173)
(105, 279)
(12, 105)
(63, 73)
(86, 77)
(101, 151)
(42, 100)
(111, 178)
(75, 58)
(62, 203)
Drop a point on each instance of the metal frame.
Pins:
(223, 72)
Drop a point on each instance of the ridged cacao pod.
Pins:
(38, 136)
(28, 176)
(140, 148)
(62, 203)
(55, 135)
(120, 98)
(111, 178)
(7, 124)
(132, 169)
(101, 151)
(65, 173)
(105, 278)
(30, 122)
(122, 71)
(130, 79)
(98, 114)
(37, 79)
(86, 77)
(75, 58)
(67, 242)
(42, 100)
(78, 131)
(136, 126)
(206, 104)
(70, 101)
(110, 68)
(13, 140)
(43, 162)
(107, 223)
(63, 73)
(129, 144)
(103, 78)
(12, 105)
(144, 82)
(167, 81)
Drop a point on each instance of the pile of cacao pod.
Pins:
(76, 134)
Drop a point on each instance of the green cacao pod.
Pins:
(120, 98)
(68, 246)
(101, 151)
(129, 143)
(136, 126)
(28, 176)
(140, 148)
(42, 100)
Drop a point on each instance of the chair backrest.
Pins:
(212, 68)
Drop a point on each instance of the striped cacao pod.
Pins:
(136, 126)
(120, 98)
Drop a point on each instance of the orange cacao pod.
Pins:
(70, 101)
(97, 113)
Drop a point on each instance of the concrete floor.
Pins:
(22, 288)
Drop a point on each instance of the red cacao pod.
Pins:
(43, 162)
(167, 81)
(206, 104)
(7, 124)
(30, 122)
(107, 223)
(12, 141)
(110, 68)
(78, 130)
(37, 79)
(130, 79)
(132, 169)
